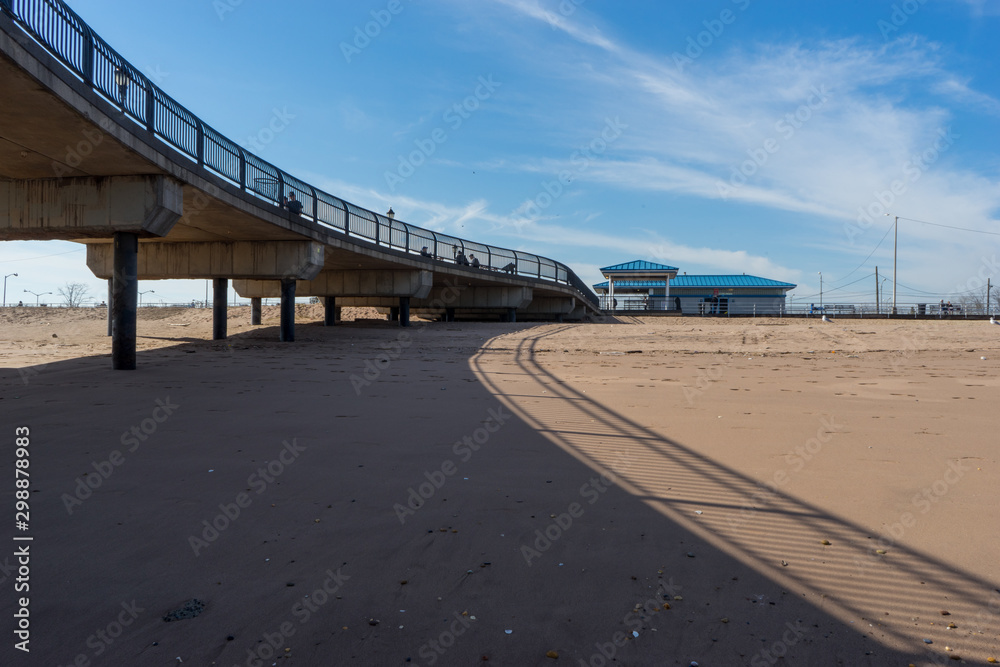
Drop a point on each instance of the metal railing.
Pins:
(68, 37)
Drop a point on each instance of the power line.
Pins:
(869, 254)
(25, 259)
(961, 229)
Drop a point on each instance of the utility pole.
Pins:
(878, 309)
(895, 245)
(988, 311)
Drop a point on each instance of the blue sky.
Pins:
(727, 136)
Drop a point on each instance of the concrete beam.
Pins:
(477, 296)
(454, 297)
(550, 306)
(390, 284)
(89, 208)
(274, 260)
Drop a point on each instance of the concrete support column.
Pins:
(255, 311)
(220, 309)
(512, 314)
(330, 311)
(125, 295)
(393, 314)
(287, 311)
(449, 314)
(111, 300)
(404, 311)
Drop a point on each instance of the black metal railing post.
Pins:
(150, 106)
(87, 61)
(200, 141)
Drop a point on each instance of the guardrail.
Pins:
(68, 37)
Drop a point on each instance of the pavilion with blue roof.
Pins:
(641, 285)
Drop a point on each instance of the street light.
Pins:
(895, 245)
(820, 289)
(122, 81)
(149, 291)
(390, 214)
(38, 295)
(4, 303)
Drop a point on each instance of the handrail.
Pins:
(84, 53)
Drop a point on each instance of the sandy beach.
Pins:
(642, 491)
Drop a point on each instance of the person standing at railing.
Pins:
(475, 261)
(294, 205)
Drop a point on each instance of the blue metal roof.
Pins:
(727, 281)
(639, 265)
(633, 283)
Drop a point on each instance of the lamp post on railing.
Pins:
(4, 303)
(149, 291)
(122, 81)
(38, 295)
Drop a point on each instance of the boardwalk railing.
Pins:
(58, 28)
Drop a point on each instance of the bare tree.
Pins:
(975, 302)
(74, 294)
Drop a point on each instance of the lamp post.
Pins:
(895, 246)
(149, 291)
(38, 295)
(4, 303)
(882, 286)
(820, 289)
(390, 214)
(122, 80)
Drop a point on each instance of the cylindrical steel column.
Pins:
(330, 311)
(255, 310)
(404, 311)
(125, 295)
(287, 311)
(220, 309)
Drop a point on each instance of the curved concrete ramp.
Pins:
(92, 151)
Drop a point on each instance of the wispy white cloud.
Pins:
(816, 128)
